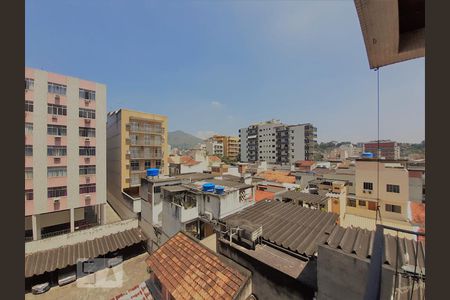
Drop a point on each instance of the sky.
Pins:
(217, 66)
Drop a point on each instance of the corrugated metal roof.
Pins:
(292, 227)
(360, 242)
(174, 188)
(304, 197)
(46, 261)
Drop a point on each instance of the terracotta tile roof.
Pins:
(305, 163)
(188, 161)
(277, 176)
(261, 195)
(214, 158)
(418, 213)
(189, 270)
(138, 292)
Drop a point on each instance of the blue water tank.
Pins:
(152, 172)
(208, 187)
(220, 190)
(367, 155)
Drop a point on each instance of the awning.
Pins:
(49, 260)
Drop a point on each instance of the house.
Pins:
(278, 243)
(305, 165)
(183, 268)
(304, 199)
(195, 207)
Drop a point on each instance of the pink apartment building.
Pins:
(65, 154)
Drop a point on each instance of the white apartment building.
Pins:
(214, 148)
(277, 143)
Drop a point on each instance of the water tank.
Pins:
(208, 187)
(220, 190)
(152, 172)
(367, 155)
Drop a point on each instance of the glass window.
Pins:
(28, 106)
(87, 170)
(393, 208)
(87, 131)
(59, 191)
(54, 109)
(28, 150)
(351, 202)
(87, 94)
(59, 130)
(362, 203)
(368, 185)
(87, 188)
(56, 150)
(28, 173)
(29, 84)
(147, 164)
(29, 194)
(28, 128)
(56, 171)
(87, 151)
(87, 113)
(55, 88)
(134, 165)
(392, 188)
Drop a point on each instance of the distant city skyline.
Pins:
(215, 67)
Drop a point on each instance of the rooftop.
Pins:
(189, 270)
(263, 195)
(277, 176)
(304, 197)
(292, 227)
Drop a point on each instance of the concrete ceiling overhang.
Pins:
(393, 30)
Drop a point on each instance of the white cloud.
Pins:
(204, 134)
(216, 104)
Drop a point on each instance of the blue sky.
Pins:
(217, 66)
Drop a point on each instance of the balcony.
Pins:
(143, 143)
(139, 128)
(145, 155)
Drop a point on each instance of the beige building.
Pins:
(387, 183)
(230, 145)
(136, 141)
(65, 154)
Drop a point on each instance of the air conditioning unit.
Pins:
(370, 192)
(87, 197)
(87, 139)
(364, 191)
(54, 117)
(86, 101)
(56, 200)
(57, 97)
(87, 121)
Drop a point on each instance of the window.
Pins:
(54, 109)
(147, 164)
(86, 113)
(28, 128)
(87, 132)
(28, 106)
(56, 150)
(361, 203)
(393, 208)
(29, 194)
(56, 171)
(87, 94)
(158, 164)
(28, 173)
(368, 185)
(55, 88)
(87, 151)
(392, 188)
(29, 84)
(59, 191)
(87, 188)
(87, 170)
(28, 150)
(351, 203)
(59, 130)
(372, 205)
(157, 189)
(134, 165)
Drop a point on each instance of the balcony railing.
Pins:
(133, 127)
(146, 155)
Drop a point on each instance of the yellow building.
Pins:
(136, 141)
(230, 145)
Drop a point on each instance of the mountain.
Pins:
(182, 140)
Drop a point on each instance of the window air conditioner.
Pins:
(54, 117)
(87, 139)
(87, 120)
(57, 97)
(56, 200)
(87, 197)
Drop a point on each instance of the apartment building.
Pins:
(230, 145)
(278, 143)
(387, 183)
(214, 147)
(65, 154)
(136, 141)
(388, 149)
